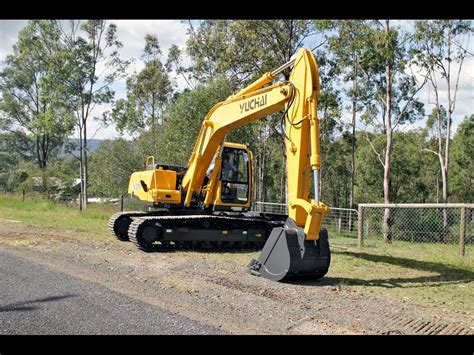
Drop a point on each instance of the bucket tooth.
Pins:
(287, 255)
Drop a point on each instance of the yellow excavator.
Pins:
(209, 201)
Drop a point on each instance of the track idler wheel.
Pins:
(120, 227)
(287, 255)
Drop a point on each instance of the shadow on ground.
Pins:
(445, 274)
(203, 249)
(26, 305)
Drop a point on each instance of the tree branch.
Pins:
(374, 150)
(410, 100)
(431, 151)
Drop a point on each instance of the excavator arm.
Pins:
(298, 98)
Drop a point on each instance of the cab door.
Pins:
(235, 178)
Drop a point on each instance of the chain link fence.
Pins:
(417, 223)
(339, 221)
(412, 223)
(269, 207)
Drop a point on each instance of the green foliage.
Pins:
(56, 181)
(148, 92)
(111, 166)
(388, 49)
(336, 172)
(183, 120)
(408, 182)
(242, 50)
(432, 47)
(32, 107)
(51, 80)
(461, 183)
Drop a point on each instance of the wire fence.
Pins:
(269, 207)
(342, 221)
(417, 223)
(413, 223)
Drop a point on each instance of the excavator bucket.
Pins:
(287, 255)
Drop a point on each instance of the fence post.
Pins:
(24, 192)
(121, 203)
(360, 227)
(462, 231)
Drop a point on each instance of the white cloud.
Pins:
(132, 34)
(8, 35)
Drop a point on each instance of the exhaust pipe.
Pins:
(287, 255)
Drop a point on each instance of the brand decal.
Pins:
(256, 102)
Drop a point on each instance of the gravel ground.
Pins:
(215, 289)
(40, 301)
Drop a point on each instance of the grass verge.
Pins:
(36, 210)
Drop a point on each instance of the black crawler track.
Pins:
(120, 221)
(156, 230)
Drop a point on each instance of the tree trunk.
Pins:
(354, 107)
(81, 169)
(445, 167)
(85, 166)
(444, 175)
(387, 233)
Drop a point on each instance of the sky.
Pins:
(132, 33)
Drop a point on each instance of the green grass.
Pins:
(422, 273)
(36, 210)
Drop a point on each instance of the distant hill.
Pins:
(92, 144)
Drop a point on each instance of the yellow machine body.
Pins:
(155, 185)
(217, 183)
(159, 185)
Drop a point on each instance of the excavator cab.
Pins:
(234, 177)
(229, 178)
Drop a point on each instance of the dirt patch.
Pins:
(216, 289)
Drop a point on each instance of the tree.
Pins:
(32, 109)
(440, 44)
(408, 162)
(329, 113)
(9, 162)
(111, 166)
(86, 69)
(336, 180)
(390, 95)
(174, 63)
(183, 120)
(148, 93)
(347, 45)
(243, 50)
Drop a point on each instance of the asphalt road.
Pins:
(37, 300)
